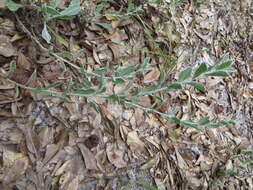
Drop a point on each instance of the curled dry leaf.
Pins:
(116, 156)
(152, 76)
(134, 142)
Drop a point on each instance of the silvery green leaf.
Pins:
(118, 80)
(201, 69)
(12, 6)
(73, 9)
(189, 124)
(149, 90)
(127, 71)
(50, 10)
(85, 92)
(218, 74)
(204, 121)
(104, 25)
(184, 75)
(53, 85)
(66, 99)
(174, 86)
(45, 35)
(224, 65)
(197, 85)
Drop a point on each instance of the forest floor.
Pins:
(67, 122)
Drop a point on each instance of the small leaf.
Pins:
(12, 66)
(218, 74)
(174, 86)
(45, 35)
(184, 75)
(198, 86)
(201, 69)
(12, 6)
(224, 65)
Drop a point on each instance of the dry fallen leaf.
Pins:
(134, 142)
(116, 156)
(152, 76)
(89, 158)
(6, 48)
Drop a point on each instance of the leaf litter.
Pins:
(59, 145)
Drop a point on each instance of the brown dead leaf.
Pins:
(23, 63)
(21, 75)
(32, 139)
(89, 158)
(152, 76)
(115, 156)
(117, 50)
(134, 142)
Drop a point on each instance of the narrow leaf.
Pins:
(204, 121)
(198, 86)
(53, 85)
(59, 38)
(174, 86)
(225, 65)
(104, 25)
(127, 71)
(118, 80)
(149, 90)
(50, 10)
(86, 92)
(12, 66)
(218, 73)
(201, 69)
(66, 99)
(45, 35)
(185, 74)
(189, 124)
